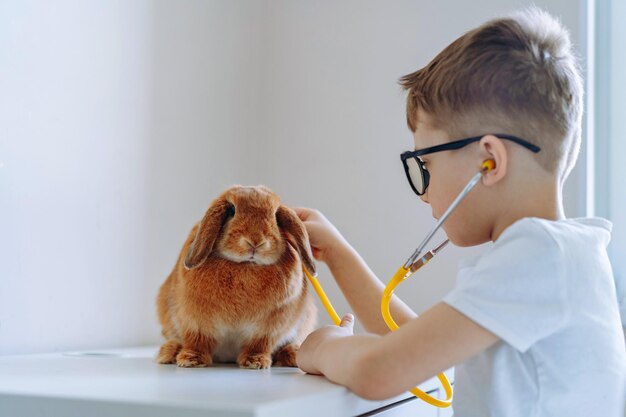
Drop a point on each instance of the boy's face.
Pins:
(449, 172)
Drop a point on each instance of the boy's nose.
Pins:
(424, 197)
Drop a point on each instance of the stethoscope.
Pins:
(412, 265)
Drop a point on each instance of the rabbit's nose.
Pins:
(255, 245)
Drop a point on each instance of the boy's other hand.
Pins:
(323, 235)
(308, 356)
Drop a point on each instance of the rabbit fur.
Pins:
(237, 292)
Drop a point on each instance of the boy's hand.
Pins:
(323, 235)
(307, 357)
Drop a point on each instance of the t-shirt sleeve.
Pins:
(517, 289)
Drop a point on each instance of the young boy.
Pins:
(532, 325)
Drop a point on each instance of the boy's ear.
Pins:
(492, 147)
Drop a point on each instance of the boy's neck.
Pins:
(545, 203)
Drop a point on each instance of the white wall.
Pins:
(121, 121)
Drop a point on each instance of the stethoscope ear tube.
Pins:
(457, 200)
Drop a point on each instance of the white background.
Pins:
(121, 121)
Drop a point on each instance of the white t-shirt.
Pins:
(546, 289)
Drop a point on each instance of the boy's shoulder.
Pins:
(533, 241)
(564, 232)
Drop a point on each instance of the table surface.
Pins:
(119, 382)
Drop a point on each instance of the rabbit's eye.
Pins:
(231, 210)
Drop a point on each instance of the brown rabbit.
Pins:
(238, 292)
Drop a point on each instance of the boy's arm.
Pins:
(376, 367)
(364, 290)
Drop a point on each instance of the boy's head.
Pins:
(516, 75)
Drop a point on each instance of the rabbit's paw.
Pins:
(188, 358)
(167, 353)
(286, 356)
(255, 361)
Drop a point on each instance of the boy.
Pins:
(532, 325)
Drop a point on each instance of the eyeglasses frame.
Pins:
(457, 144)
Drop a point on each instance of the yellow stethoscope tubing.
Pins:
(412, 265)
(398, 277)
(322, 296)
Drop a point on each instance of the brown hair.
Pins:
(515, 75)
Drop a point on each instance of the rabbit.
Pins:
(237, 292)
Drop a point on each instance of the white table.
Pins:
(127, 382)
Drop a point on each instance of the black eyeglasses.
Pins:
(418, 176)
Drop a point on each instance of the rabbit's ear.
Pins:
(208, 230)
(288, 221)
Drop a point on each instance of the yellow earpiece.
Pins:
(488, 165)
